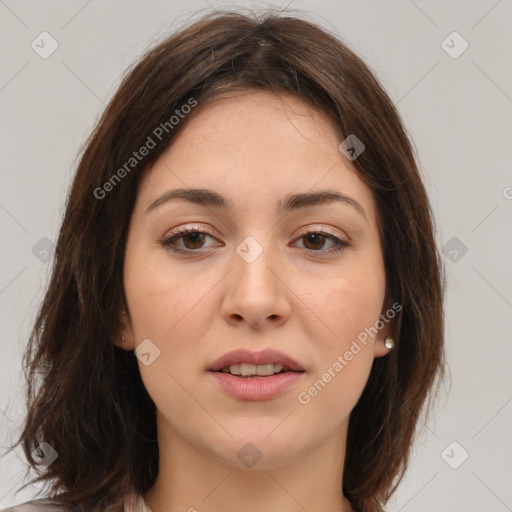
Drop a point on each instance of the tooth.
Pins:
(247, 369)
(234, 369)
(264, 369)
(253, 369)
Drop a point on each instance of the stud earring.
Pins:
(123, 338)
(389, 343)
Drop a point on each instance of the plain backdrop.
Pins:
(456, 103)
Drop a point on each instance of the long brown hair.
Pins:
(85, 396)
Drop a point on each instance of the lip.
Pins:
(240, 356)
(256, 388)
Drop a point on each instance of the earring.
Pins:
(389, 343)
(123, 338)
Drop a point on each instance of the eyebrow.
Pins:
(287, 204)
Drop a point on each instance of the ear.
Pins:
(123, 336)
(386, 319)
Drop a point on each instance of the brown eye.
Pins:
(192, 240)
(314, 242)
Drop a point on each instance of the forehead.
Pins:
(256, 147)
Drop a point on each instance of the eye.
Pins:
(193, 239)
(315, 240)
(191, 243)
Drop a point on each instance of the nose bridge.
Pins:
(254, 255)
(255, 293)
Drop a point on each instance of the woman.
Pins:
(246, 297)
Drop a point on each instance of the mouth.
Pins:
(246, 381)
(246, 375)
(245, 370)
(245, 363)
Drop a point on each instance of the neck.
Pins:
(191, 479)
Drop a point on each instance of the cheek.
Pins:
(348, 307)
(165, 301)
(333, 392)
(345, 303)
(166, 307)
(345, 356)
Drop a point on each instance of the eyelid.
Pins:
(181, 231)
(320, 228)
(186, 228)
(309, 228)
(340, 241)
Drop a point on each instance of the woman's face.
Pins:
(251, 277)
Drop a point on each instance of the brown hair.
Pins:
(85, 396)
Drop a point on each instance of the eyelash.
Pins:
(168, 241)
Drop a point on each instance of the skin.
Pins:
(195, 308)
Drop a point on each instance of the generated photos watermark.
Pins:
(304, 397)
(150, 143)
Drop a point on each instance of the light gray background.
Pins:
(457, 111)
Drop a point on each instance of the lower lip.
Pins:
(256, 388)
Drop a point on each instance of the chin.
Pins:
(254, 456)
(260, 446)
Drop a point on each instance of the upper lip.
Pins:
(249, 357)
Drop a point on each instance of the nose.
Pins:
(256, 289)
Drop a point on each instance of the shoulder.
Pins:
(132, 502)
(41, 505)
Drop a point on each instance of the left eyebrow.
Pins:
(305, 199)
(288, 203)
